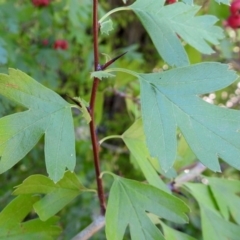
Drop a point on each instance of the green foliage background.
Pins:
(22, 31)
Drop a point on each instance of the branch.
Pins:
(93, 134)
(91, 229)
(189, 175)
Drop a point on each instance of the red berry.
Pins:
(235, 7)
(170, 1)
(60, 44)
(40, 3)
(234, 21)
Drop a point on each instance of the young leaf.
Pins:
(101, 74)
(106, 26)
(12, 227)
(128, 204)
(165, 24)
(57, 195)
(134, 138)
(83, 108)
(169, 99)
(48, 114)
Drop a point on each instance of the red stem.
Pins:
(94, 139)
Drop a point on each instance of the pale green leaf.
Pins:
(12, 227)
(169, 99)
(106, 26)
(48, 114)
(227, 2)
(57, 195)
(101, 74)
(134, 138)
(226, 196)
(214, 227)
(166, 23)
(172, 234)
(190, 2)
(83, 108)
(128, 204)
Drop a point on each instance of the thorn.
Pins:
(111, 61)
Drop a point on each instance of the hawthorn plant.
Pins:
(171, 105)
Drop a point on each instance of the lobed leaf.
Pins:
(166, 23)
(214, 227)
(57, 195)
(106, 26)
(128, 204)
(169, 100)
(48, 114)
(12, 227)
(229, 202)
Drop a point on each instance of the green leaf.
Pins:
(169, 99)
(190, 2)
(3, 55)
(101, 74)
(128, 204)
(166, 24)
(227, 2)
(172, 234)
(48, 114)
(83, 108)
(12, 227)
(213, 226)
(216, 228)
(134, 138)
(225, 194)
(57, 195)
(165, 40)
(106, 26)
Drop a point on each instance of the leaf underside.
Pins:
(167, 24)
(170, 100)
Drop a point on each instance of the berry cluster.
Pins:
(40, 3)
(57, 44)
(60, 44)
(233, 20)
